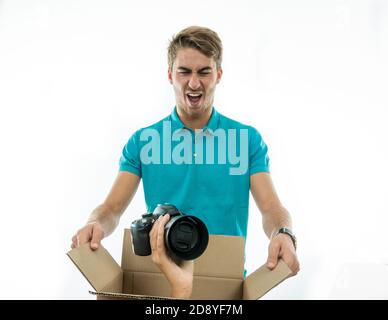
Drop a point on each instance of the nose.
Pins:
(194, 83)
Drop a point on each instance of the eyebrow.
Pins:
(200, 70)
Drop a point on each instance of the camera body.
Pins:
(185, 236)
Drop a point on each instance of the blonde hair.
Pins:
(202, 39)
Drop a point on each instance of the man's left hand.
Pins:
(281, 246)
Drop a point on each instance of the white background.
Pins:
(77, 78)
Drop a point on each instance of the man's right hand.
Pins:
(105, 218)
(91, 232)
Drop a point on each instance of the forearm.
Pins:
(181, 292)
(275, 218)
(106, 217)
(109, 212)
(180, 277)
(181, 285)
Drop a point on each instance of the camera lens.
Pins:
(186, 237)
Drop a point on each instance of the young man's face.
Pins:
(194, 78)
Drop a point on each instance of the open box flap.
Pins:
(98, 267)
(262, 280)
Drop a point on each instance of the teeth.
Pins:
(194, 94)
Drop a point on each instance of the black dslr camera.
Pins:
(186, 237)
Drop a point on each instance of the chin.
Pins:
(197, 109)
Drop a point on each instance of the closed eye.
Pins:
(202, 72)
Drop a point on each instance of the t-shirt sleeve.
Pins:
(258, 153)
(130, 157)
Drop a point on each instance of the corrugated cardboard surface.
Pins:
(212, 288)
(225, 251)
(98, 267)
(223, 258)
(123, 296)
(262, 280)
(155, 284)
(208, 288)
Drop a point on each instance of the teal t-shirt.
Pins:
(204, 173)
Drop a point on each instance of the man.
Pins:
(199, 160)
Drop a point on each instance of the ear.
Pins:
(219, 75)
(170, 75)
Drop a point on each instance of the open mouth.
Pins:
(194, 98)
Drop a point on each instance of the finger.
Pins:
(97, 235)
(160, 245)
(74, 242)
(82, 238)
(153, 234)
(289, 262)
(273, 254)
(292, 262)
(296, 267)
(163, 222)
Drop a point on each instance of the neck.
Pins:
(197, 122)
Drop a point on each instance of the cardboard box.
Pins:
(218, 273)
